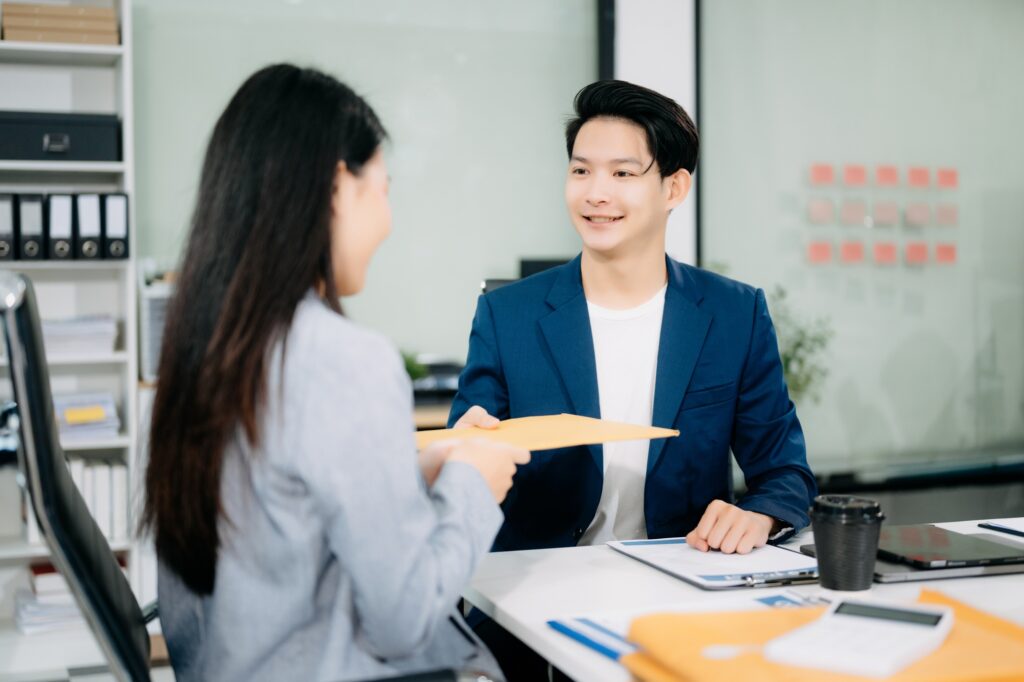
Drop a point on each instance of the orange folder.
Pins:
(980, 647)
(550, 431)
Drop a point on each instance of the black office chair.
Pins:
(77, 547)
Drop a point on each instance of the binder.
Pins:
(115, 226)
(59, 223)
(7, 225)
(30, 227)
(89, 226)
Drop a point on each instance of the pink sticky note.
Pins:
(885, 253)
(855, 175)
(887, 176)
(917, 215)
(819, 252)
(947, 214)
(821, 211)
(945, 253)
(886, 213)
(918, 176)
(947, 178)
(916, 253)
(822, 174)
(851, 252)
(852, 213)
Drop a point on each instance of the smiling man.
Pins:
(625, 333)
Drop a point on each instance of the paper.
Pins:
(947, 214)
(550, 432)
(887, 176)
(855, 175)
(917, 215)
(822, 174)
(979, 647)
(918, 177)
(916, 253)
(851, 252)
(715, 570)
(820, 211)
(887, 213)
(945, 253)
(852, 213)
(819, 252)
(1016, 524)
(885, 253)
(947, 178)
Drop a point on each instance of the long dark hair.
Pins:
(260, 240)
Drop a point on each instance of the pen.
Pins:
(1002, 529)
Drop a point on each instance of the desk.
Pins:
(431, 416)
(524, 590)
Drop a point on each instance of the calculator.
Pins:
(864, 637)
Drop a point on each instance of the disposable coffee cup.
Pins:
(846, 540)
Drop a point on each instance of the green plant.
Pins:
(802, 343)
(413, 368)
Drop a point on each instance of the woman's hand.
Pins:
(496, 462)
(433, 457)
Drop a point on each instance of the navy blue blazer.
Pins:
(719, 381)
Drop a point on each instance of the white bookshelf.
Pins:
(99, 80)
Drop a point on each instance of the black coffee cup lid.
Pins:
(846, 507)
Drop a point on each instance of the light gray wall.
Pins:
(474, 95)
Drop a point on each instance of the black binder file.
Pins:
(115, 226)
(89, 234)
(59, 226)
(30, 227)
(7, 231)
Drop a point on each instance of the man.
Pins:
(625, 333)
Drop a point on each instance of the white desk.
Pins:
(524, 590)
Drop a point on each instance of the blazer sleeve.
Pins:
(409, 551)
(482, 382)
(767, 439)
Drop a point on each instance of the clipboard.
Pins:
(767, 566)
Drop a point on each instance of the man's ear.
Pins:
(679, 184)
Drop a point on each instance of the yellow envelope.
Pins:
(550, 431)
(979, 648)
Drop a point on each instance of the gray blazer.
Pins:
(336, 561)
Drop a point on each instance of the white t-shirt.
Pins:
(626, 354)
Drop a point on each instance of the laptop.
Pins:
(956, 562)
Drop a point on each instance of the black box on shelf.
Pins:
(37, 136)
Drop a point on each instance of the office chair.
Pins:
(77, 547)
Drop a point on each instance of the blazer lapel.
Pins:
(566, 330)
(684, 327)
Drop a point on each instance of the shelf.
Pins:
(57, 265)
(83, 444)
(85, 167)
(113, 358)
(59, 54)
(48, 655)
(19, 550)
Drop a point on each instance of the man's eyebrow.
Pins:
(628, 159)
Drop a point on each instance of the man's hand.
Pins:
(477, 416)
(730, 529)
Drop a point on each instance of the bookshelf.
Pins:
(98, 79)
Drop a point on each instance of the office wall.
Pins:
(474, 95)
(926, 367)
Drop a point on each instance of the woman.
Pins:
(299, 536)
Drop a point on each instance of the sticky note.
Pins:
(947, 215)
(851, 252)
(887, 176)
(947, 178)
(918, 176)
(885, 253)
(822, 174)
(886, 214)
(916, 253)
(819, 252)
(852, 213)
(821, 211)
(855, 175)
(945, 253)
(917, 215)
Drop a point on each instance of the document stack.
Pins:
(87, 335)
(48, 605)
(86, 416)
(48, 23)
(103, 485)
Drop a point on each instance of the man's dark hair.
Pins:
(672, 137)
